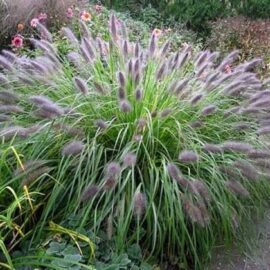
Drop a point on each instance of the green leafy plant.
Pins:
(254, 8)
(151, 16)
(162, 150)
(195, 14)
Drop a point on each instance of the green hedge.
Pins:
(255, 9)
(197, 13)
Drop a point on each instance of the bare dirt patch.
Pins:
(254, 255)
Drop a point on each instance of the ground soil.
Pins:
(253, 255)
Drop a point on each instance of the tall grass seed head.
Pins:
(81, 85)
(174, 172)
(31, 176)
(125, 106)
(121, 79)
(101, 124)
(188, 156)
(236, 188)
(139, 204)
(129, 160)
(89, 193)
(73, 148)
(138, 94)
(112, 169)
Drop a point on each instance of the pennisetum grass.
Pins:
(163, 116)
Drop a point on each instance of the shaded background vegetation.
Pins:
(197, 13)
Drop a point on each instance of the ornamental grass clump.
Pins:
(140, 136)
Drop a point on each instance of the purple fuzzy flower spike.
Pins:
(113, 27)
(89, 193)
(3, 79)
(8, 97)
(10, 56)
(174, 172)
(81, 85)
(152, 45)
(5, 64)
(139, 204)
(236, 146)
(85, 30)
(125, 106)
(166, 112)
(101, 124)
(161, 71)
(212, 148)
(112, 169)
(89, 48)
(138, 94)
(187, 156)
(44, 32)
(137, 50)
(125, 48)
(247, 170)
(129, 160)
(121, 79)
(10, 109)
(236, 188)
(165, 49)
(196, 99)
(72, 148)
(210, 109)
(180, 86)
(70, 36)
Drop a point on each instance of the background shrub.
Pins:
(17, 12)
(195, 14)
(256, 9)
(250, 36)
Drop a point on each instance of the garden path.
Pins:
(255, 255)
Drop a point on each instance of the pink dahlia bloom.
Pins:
(17, 41)
(34, 22)
(69, 12)
(86, 16)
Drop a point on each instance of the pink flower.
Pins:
(34, 22)
(98, 8)
(86, 16)
(17, 41)
(69, 12)
(42, 16)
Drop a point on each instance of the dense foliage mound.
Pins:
(156, 148)
(196, 14)
(252, 36)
